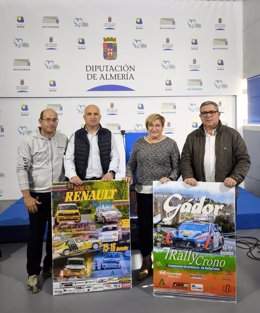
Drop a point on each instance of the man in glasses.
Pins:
(214, 152)
(39, 164)
(92, 152)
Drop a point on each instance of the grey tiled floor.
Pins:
(15, 298)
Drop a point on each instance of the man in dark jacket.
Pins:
(92, 152)
(214, 152)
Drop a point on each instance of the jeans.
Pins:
(145, 222)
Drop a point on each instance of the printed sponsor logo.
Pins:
(80, 108)
(138, 44)
(194, 84)
(2, 131)
(52, 85)
(20, 21)
(167, 23)
(219, 84)
(220, 44)
(139, 23)
(220, 64)
(51, 45)
(56, 107)
(114, 127)
(22, 88)
(195, 125)
(23, 130)
(139, 127)
(168, 128)
(168, 84)
(21, 65)
(197, 287)
(24, 109)
(167, 46)
(167, 65)
(109, 25)
(180, 285)
(50, 22)
(220, 26)
(50, 65)
(194, 67)
(192, 23)
(19, 43)
(81, 43)
(140, 108)
(168, 107)
(112, 110)
(193, 107)
(79, 22)
(194, 44)
(163, 273)
(197, 276)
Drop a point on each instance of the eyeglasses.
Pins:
(49, 120)
(210, 113)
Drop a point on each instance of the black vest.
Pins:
(81, 153)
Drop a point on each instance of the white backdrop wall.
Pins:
(131, 59)
(251, 38)
(157, 48)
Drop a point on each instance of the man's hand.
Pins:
(76, 180)
(107, 177)
(230, 182)
(31, 204)
(190, 181)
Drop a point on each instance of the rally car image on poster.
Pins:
(74, 267)
(197, 236)
(111, 260)
(74, 246)
(106, 214)
(111, 233)
(67, 212)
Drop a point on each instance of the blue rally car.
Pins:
(198, 236)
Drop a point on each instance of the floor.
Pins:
(5, 204)
(15, 298)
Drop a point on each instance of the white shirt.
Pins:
(210, 156)
(94, 168)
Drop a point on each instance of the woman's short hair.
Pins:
(152, 117)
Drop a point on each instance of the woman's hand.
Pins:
(128, 179)
(164, 180)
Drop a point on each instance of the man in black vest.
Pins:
(92, 153)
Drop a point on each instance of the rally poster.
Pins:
(91, 237)
(194, 241)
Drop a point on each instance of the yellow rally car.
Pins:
(67, 212)
(74, 246)
(75, 267)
